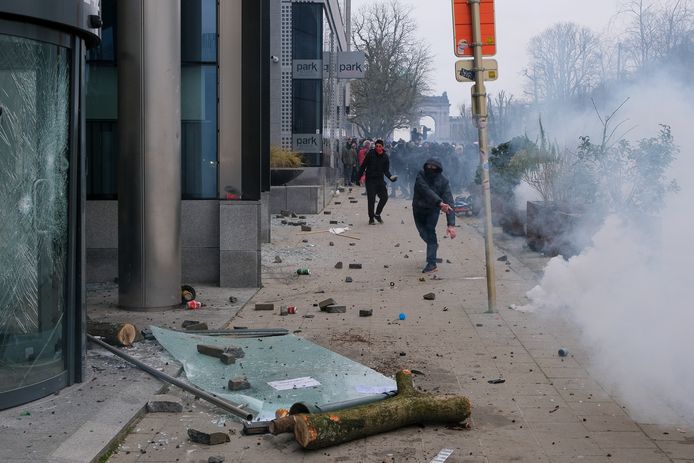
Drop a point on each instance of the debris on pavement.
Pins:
(205, 438)
(261, 306)
(407, 407)
(355, 266)
(563, 352)
(239, 384)
(496, 381)
(194, 325)
(165, 403)
(366, 312)
(429, 296)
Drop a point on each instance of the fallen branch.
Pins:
(408, 407)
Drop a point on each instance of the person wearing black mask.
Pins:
(376, 165)
(432, 195)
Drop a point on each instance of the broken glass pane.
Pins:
(291, 363)
(34, 122)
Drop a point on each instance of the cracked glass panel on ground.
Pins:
(34, 164)
(277, 360)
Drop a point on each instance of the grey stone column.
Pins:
(149, 169)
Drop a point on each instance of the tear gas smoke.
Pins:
(630, 291)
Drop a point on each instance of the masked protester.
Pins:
(432, 195)
(376, 165)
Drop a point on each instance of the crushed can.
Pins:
(303, 271)
(193, 305)
(291, 310)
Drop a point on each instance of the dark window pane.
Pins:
(102, 134)
(199, 31)
(106, 51)
(102, 159)
(199, 131)
(306, 106)
(307, 30)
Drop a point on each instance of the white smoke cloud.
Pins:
(631, 291)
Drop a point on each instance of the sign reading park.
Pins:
(462, 28)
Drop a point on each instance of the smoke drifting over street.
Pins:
(630, 291)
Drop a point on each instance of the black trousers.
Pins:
(376, 188)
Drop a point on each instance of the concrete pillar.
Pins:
(149, 180)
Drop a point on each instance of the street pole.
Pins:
(479, 108)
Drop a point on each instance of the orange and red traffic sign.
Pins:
(462, 28)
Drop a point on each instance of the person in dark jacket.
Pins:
(376, 165)
(432, 195)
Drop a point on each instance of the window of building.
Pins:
(307, 94)
(102, 110)
(199, 161)
(198, 104)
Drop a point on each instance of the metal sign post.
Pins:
(480, 113)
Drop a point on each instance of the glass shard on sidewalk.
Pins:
(276, 360)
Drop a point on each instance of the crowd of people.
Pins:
(419, 169)
(406, 160)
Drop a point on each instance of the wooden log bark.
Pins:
(116, 334)
(408, 407)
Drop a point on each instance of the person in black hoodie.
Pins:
(432, 195)
(376, 165)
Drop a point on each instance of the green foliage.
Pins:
(629, 176)
(505, 170)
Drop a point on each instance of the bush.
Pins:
(283, 158)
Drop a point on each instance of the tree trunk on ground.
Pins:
(116, 334)
(408, 407)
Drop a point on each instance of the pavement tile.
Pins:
(683, 450)
(560, 445)
(597, 409)
(622, 440)
(601, 423)
(636, 455)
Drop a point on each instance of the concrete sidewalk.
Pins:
(549, 409)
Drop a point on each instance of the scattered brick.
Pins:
(339, 265)
(239, 384)
(327, 212)
(355, 266)
(430, 296)
(348, 280)
(323, 304)
(212, 438)
(333, 222)
(306, 228)
(366, 312)
(265, 306)
(336, 309)
(165, 403)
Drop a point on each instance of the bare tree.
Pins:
(398, 67)
(564, 63)
(655, 30)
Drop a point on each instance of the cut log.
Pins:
(116, 334)
(408, 407)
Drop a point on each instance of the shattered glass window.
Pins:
(34, 164)
(281, 371)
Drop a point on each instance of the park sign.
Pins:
(348, 64)
(464, 70)
(462, 28)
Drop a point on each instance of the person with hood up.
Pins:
(376, 164)
(432, 195)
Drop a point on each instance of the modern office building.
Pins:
(42, 51)
(145, 160)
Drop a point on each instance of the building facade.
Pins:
(42, 311)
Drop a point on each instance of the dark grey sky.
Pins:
(517, 21)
